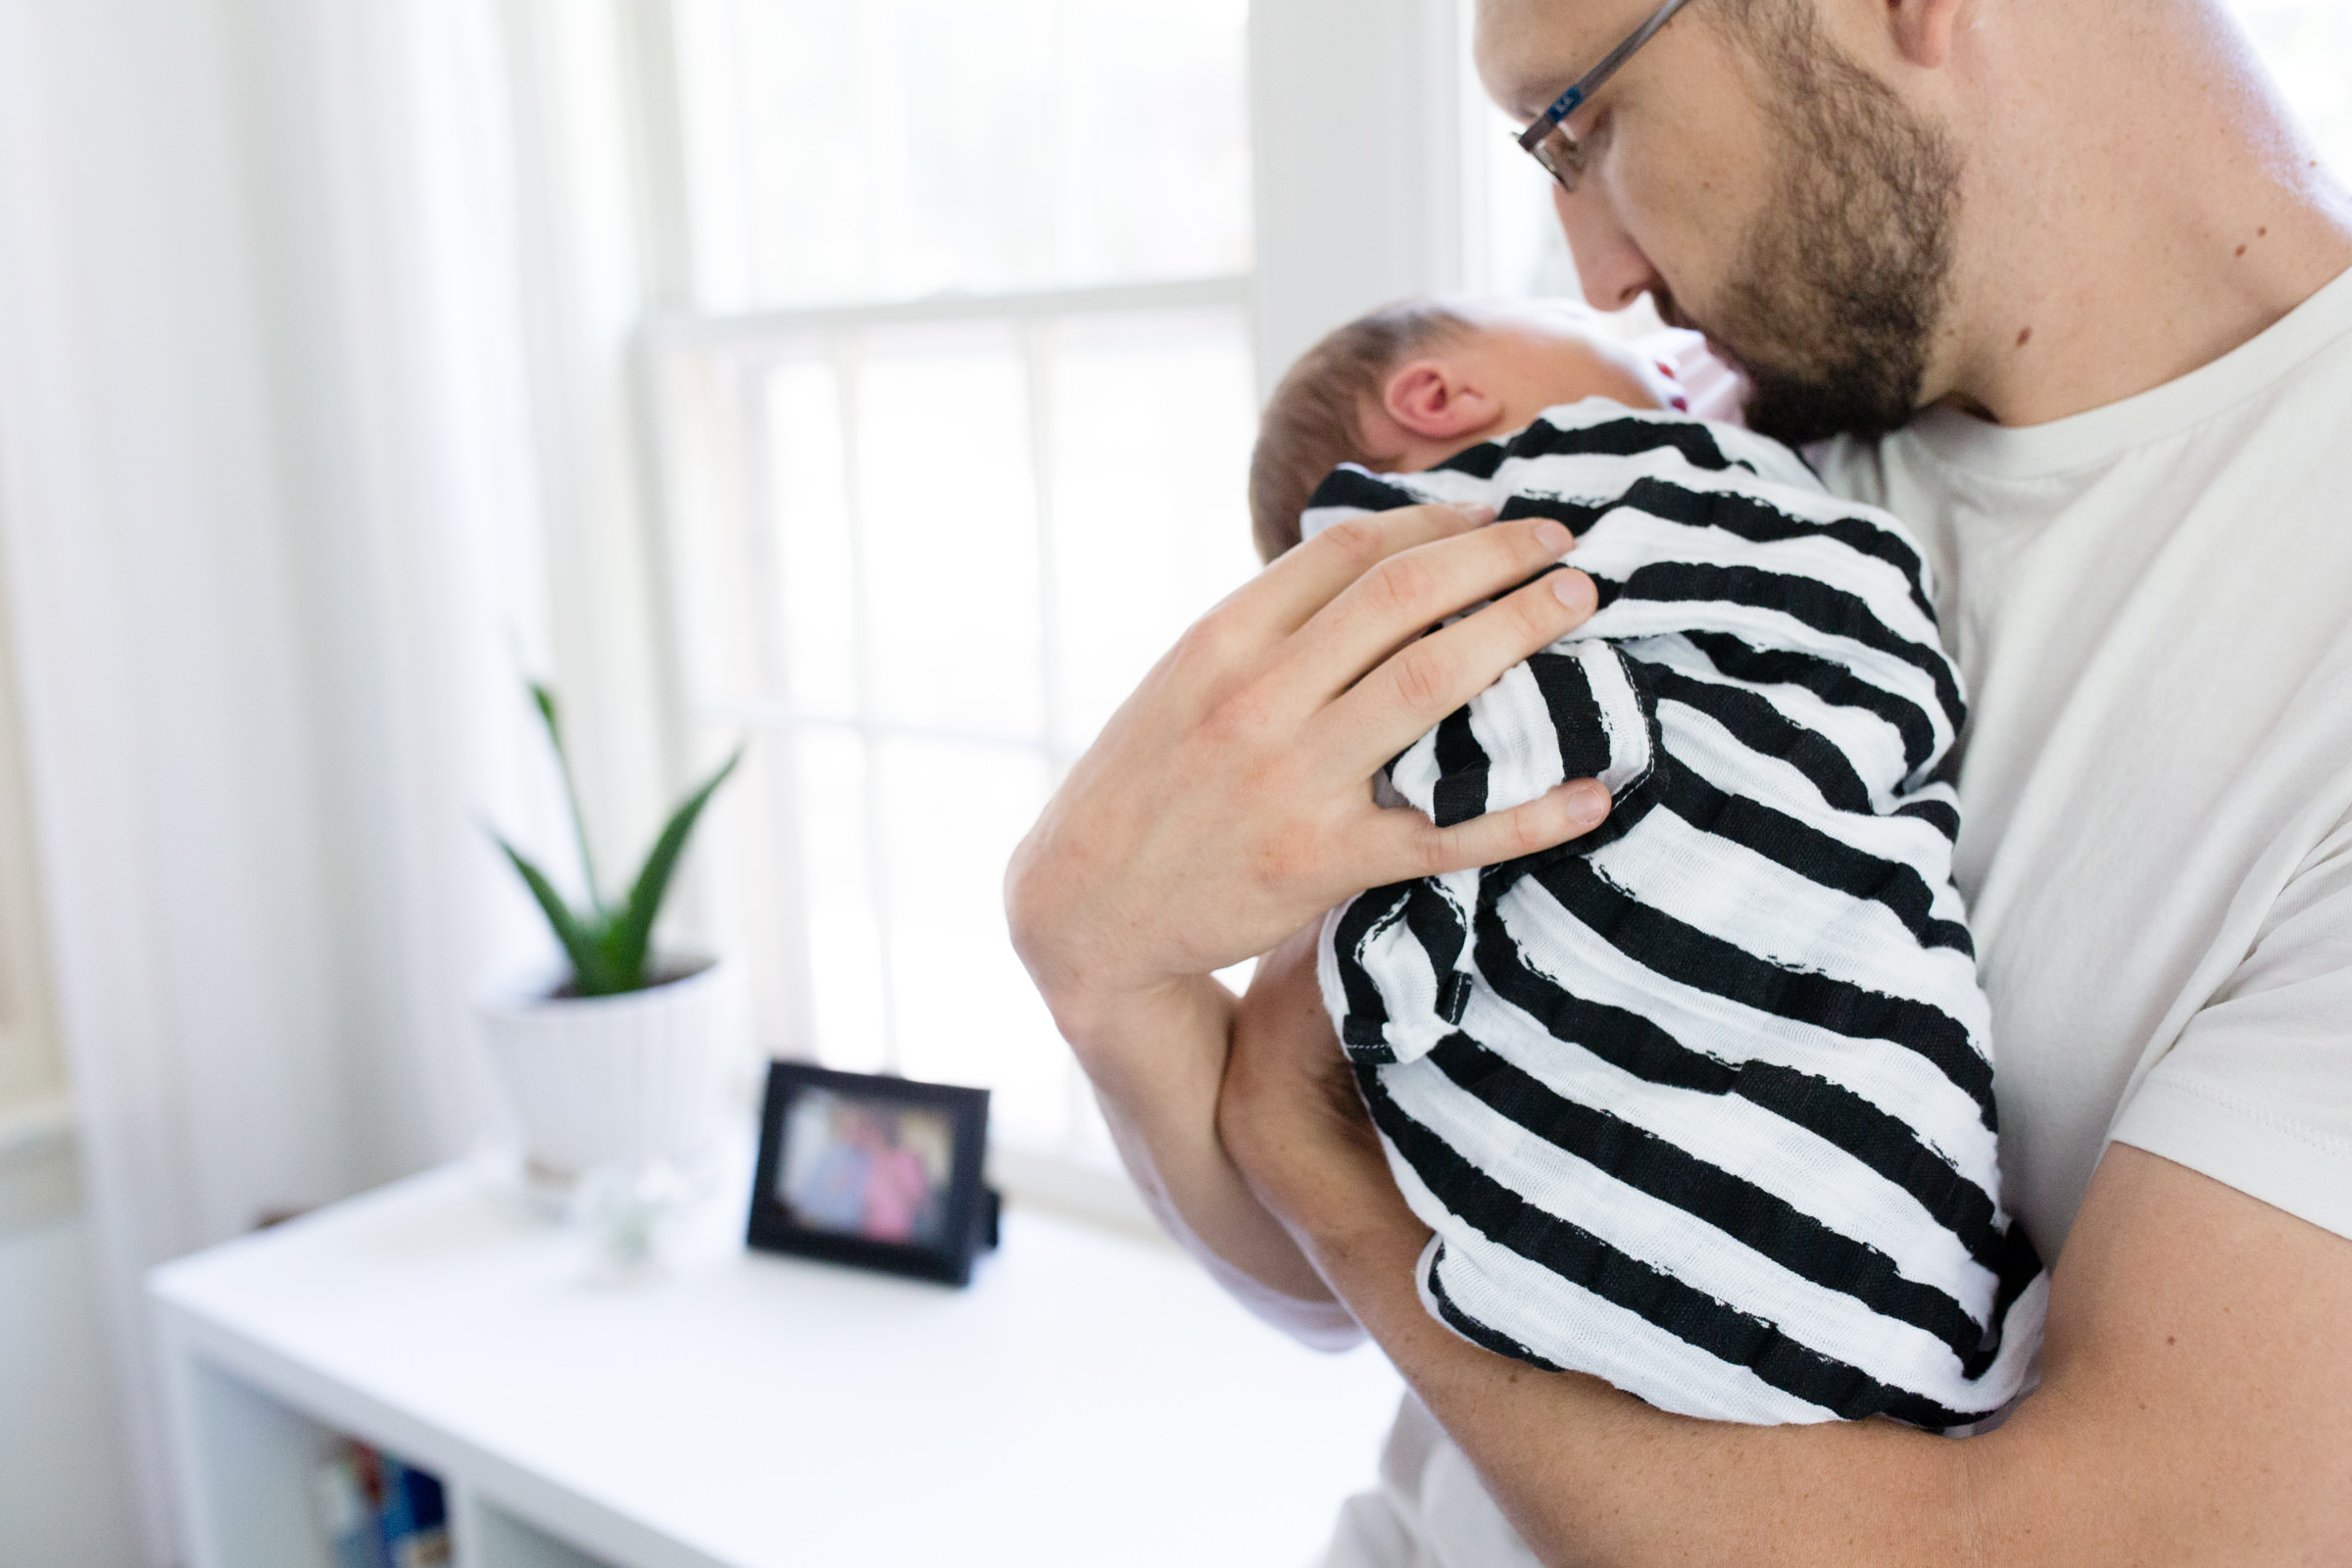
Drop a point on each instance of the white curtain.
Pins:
(271, 517)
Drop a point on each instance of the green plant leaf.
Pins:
(610, 973)
(633, 928)
(543, 698)
(579, 940)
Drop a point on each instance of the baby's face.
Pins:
(1531, 357)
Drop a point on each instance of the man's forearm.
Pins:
(1157, 1061)
(2195, 1406)
(1590, 1475)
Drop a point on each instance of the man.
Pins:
(2084, 238)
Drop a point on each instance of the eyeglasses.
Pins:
(1549, 141)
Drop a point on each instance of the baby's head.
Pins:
(1408, 387)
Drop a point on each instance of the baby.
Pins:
(1700, 1104)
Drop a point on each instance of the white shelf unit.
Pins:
(1091, 1399)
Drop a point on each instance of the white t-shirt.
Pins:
(2152, 606)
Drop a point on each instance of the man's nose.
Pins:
(1612, 269)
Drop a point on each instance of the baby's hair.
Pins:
(1316, 420)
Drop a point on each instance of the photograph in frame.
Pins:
(876, 1171)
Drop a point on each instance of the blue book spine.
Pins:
(415, 1523)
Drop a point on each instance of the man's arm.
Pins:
(1157, 1067)
(1229, 800)
(2195, 1407)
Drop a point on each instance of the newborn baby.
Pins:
(1700, 1104)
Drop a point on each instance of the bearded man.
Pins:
(2059, 284)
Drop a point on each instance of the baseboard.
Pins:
(40, 1180)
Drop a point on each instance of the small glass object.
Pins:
(633, 1208)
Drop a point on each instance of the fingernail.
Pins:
(1477, 513)
(1575, 590)
(1588, 803)
(1555, 537)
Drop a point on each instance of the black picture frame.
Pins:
(818, 1123)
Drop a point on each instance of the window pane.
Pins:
(948, 519)
(893, 149)
(964, 1010)
(717, 521)
(1153, 421)
(806, 458)
(849, 1001)
(748, 880)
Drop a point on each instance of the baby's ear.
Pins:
(1435, 400)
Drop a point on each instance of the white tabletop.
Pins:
(1091, 1399)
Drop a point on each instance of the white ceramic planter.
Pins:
(605, 1080)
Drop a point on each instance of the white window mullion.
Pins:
(1037, 342)
(764, 553)
(845, 361)
(681, 331)
(1037, 378)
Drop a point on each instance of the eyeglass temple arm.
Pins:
(1567, 103)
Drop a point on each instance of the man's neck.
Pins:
(2137, 207)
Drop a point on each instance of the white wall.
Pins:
(1356, 115)
(64, 1473)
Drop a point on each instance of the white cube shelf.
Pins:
(1091, 1399)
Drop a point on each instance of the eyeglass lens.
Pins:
(1561, 155)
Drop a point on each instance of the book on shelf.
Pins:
(379, 1512)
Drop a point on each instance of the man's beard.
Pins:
(1841, 281)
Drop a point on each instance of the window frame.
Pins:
(717, 469)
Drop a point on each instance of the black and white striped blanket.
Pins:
(1702, 1103)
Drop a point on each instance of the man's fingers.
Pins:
(1409, 845)
(1421, 683)
(1407, 593)
(1289, 593)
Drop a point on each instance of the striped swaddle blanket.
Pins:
(1701, 1103)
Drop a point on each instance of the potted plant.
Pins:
(621, 1055)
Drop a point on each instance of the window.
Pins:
(894, 150)
(954, 441)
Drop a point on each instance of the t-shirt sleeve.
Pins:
(2257, 1091)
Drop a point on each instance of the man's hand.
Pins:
(1229, 800)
